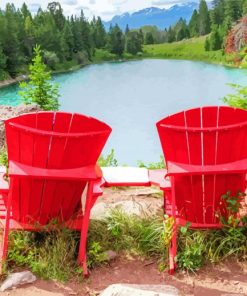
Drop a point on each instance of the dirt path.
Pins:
(226, 279)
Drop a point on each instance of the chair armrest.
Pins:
(86, 173)
(237, 167)
(157, 178)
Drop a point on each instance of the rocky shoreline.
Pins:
(10, 111)
(11, 81)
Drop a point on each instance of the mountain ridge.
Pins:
(154, 16)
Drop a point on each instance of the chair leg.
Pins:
(82, 258)
(173, 245)
(173, 250)
(5, 238)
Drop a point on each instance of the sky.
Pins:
(106, 9)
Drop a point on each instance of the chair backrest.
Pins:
(205, 136)
(52, 140)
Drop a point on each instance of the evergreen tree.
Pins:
(215, 39)
(149, 38)
(204, 20)
(10, 41)
(67, 42)
(233, 9)
(170, 35)
(2, 63)
(133, 43)
(207, 44)
(99, 34)
(194, 24)
(116, 40)
(127, 29)
(141, 36)
(56, 12)
(39, 88)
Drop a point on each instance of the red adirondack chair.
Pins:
(52, 161)
(206, 156)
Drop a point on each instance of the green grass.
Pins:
(52, 255)
(191, 49)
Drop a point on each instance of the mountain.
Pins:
(162, 18)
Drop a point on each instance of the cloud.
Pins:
(92, 2)
(117, 2)
(70, 2)
(168, 2)
(82, 8)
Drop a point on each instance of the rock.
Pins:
(31, 291)
(140, 290)
(16, 279)
(130, 207)
(111, 255)
(8, 112)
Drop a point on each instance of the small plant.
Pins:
(3, 158)
(234, 203)
(239, 99)
(96, 255)
(109, 160)
(39, 89)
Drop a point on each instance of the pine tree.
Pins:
(100, 34)
(67, 42)
(39, 89)
(149, 38)
(204, 20)
(2, 62)
(133, 43)
(116, 40)
(194, 24)
(207, 44)
(215, 39)
(127, 29)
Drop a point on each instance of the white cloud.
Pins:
(104, 8)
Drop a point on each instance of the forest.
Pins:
(218, 21)
(70, 41)
(65, 41)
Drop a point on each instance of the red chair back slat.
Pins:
(209, 136)
(57, 141)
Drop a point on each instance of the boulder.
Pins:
(140, 290)
(18, 278)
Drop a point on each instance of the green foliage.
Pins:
(116, 40)
(203, 18)
(134, 41)
(109, 160)
(149, 39)
(192, 246)
(239, 99)
(50, 255)
(214, 42)
(153, 165)
(194, 24)
(4, 158)
(39, 89)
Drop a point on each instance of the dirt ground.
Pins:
(229, 278)
(226, 279)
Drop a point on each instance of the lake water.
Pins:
(132, 96)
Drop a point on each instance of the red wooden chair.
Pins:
(206, 156)
(52, 161)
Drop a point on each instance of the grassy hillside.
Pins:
(191, 49)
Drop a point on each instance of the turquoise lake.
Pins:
(132, 96)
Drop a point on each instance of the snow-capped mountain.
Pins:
(162, 18)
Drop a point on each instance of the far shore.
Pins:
(11, 81)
